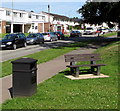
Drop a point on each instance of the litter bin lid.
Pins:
(25, 60)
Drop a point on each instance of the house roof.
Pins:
(56, 16)
(18, 10)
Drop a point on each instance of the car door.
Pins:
(17, 40)
(38, 38)
(22, 39)
(54, 36)
(41, 38)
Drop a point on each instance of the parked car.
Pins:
(50, 36)
(60, 35)
(102, 31)
(13, 41)
(90, 30)
(75, 34)
(112, 30)
(35, 38)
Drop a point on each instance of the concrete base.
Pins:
(86, 76)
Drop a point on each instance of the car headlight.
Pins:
(9, 43)
(31, 40)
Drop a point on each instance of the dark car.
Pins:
(60, 35)
(75, 34)
(35, 38)
(13, 41)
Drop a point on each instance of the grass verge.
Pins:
(110, 34)
(62, 93)
(42, 56)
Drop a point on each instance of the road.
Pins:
(11, 54)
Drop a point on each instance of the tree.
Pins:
(98, 12)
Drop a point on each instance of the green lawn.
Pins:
(110, 34)
(62, 93)
(2, 35)
(42, 56)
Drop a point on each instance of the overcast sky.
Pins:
(62, 7)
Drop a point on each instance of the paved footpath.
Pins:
(45, 71)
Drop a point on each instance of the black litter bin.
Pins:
(24, 77)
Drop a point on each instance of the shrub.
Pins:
(118, 34)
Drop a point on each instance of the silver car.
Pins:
(50, 36)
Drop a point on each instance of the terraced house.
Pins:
(20, 21)
(58, 22)
(12, 20)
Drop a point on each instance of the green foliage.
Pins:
(70, 27)
(118, 33)
(78, 27)
(62, 93)
(98, 12)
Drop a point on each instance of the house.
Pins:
(12, 20)
(55, 22)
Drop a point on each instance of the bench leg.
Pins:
(77, 72)
(72, 71)
(92, 69)
(98, 70)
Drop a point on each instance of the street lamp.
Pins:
(12, 18)
(49, 16)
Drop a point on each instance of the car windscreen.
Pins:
(89, 28)
(8, 37)
(73, 32)
(32, 36)
(59, 32)
(45, 33)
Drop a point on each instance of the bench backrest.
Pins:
(81, 57)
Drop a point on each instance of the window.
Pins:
(36, 27)
(43, 17)
(15, 14)
(37, 17)
(8, 13)
(33, 26)
(21, 14)
(29, 16)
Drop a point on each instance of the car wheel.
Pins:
(14, 46)
(51, 40)
(25, 44)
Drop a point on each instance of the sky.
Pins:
(63, 7)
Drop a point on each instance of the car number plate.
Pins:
(2, 45)
(28, 41)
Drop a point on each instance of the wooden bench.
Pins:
(74, 69)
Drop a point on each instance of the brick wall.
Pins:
(3, 28)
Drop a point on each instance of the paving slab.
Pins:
(86, 76)
(45, 71)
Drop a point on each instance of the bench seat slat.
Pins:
(82, 57)
(86, 65)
